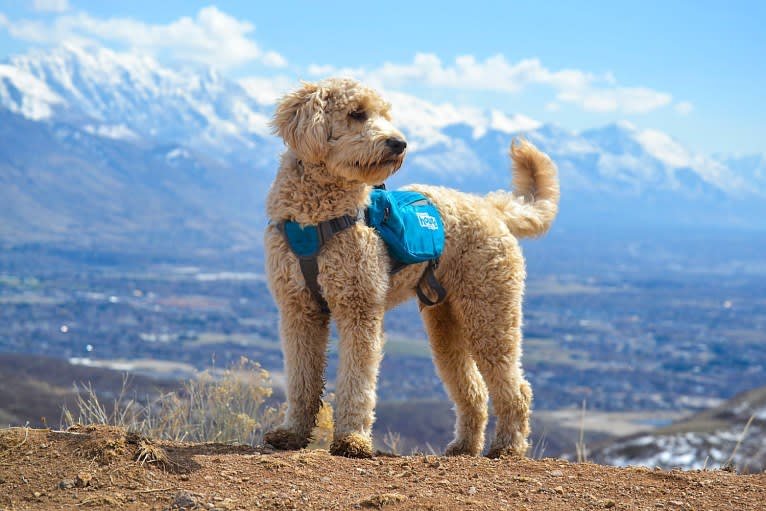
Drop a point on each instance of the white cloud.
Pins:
(684, 108)
(51, 5)
(631, 100)
(424, 120)
(115, 131)
(267, 90)
(212, 38)
(494, 73)
(591, 92)
(553, 107)
(515, 124)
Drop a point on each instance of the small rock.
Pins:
(37, 494)
(556, 473)
(184, 477)
(559, 490)
(472, 490)
(184, 500)
(516, 493)
(609, 503)
(380, 501)
(83, 479)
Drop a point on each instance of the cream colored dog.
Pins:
(340, 142)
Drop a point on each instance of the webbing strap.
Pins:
(330, 228)
(310, 271)
(433, 283)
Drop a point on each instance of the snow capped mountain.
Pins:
(121, 95)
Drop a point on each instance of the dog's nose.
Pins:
(396, 145)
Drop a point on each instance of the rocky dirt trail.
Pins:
(100, 467)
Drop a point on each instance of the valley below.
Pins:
(616, 350)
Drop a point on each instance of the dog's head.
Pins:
(343, 125)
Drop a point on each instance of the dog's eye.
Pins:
(358, 115)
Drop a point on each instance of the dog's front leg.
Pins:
(359, 350)
(304, 342)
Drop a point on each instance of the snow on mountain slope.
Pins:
(23, 93)
(731, 433)
(125, 95)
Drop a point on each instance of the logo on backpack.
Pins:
(409, 223)
(427, 221)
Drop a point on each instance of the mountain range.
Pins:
(99, 148)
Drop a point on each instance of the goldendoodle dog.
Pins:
(340, 142)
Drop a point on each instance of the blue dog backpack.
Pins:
(409, 223)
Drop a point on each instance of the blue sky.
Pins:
(693, 70)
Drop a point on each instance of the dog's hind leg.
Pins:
(511, 401)
(494, 333)
(488, 304)
(304, 342)
(461, 379)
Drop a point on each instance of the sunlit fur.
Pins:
(475, 335)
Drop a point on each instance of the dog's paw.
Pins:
(352, 445)
(518, 449)
(461, 448)
(285, 439)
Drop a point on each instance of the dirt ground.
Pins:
(100, 467)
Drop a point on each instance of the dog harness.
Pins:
(392, 215)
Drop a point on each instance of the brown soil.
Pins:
(100, 467)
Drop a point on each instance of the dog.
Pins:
(340, 143)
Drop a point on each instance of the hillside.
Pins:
(98, 467)
(34, 389)
(732, 433)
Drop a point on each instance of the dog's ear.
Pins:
(300, 120)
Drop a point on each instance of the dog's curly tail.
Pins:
(530, 210)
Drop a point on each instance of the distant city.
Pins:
(623, 337)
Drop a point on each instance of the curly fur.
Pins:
(338, 135)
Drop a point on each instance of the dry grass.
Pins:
(582, 449)
(393, 442)
(730, 462)
(321, 438)
(230, 408)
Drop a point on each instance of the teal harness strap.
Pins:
(305, 242)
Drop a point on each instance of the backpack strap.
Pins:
(310, 270)
(430, 279)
